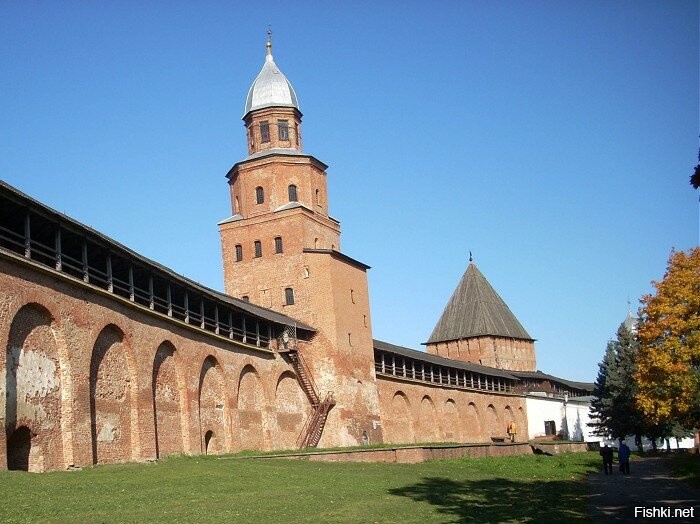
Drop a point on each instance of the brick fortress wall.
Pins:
(90, 378)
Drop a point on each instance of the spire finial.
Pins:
(269, 40)
(471, 258)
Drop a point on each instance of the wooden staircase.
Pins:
(313, 427)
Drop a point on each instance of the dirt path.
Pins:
(650, 485)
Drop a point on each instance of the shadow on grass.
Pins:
(501, 500)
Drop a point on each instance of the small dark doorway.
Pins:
(207, 438)
(18, 447)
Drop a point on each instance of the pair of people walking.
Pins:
(623, 457)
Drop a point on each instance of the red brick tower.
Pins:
(281, 250)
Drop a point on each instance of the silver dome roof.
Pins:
(270, 88)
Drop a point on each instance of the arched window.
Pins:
(292, 190)
(239, 252)
(259, 195)
(258, 248)
(278, 244)
(289, 296)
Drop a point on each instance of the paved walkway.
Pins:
(650, 485)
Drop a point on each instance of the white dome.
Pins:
(270, 88)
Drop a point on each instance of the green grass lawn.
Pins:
(528, 488)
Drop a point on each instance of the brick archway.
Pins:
(112, 413)
(250, 409)
(212, 408)
(33, 394)
(167, 401)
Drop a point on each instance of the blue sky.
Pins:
(552, 139)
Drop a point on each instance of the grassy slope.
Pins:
(185, 489)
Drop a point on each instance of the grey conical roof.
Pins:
(475, 310)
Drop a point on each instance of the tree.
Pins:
(668, 365)
(613, 406)
(695, 177)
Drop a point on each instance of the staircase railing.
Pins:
(312, 430)
(310, 434)
(304, 376)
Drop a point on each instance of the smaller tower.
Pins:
(477, 326)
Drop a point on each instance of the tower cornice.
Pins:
(272, 155)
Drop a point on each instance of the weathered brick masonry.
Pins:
(97, 379)
(111, 357)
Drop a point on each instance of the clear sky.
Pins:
(552, 139)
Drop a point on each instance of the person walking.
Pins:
(607, 453)
(512, 430)
(623, 456)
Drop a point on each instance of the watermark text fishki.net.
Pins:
(661, 511)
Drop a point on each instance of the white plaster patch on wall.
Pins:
(36, 374)
(345, 438)
(327, 373)
(35, 412)
(166, 392)
(109, 430)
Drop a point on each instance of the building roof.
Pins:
(474, 310)
(9, 192)
(338, 255)
(270, 88)
(539, 375)
(442, 361)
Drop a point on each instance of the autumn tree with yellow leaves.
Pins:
(668, 362)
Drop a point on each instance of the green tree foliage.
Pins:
(695, 177)
(613, 405)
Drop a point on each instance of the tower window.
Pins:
(283, 129)
(264, 131)
(292, 190)
(258, 248)
(278, 244)
(289, 296)
(239, 252)
(259, 195)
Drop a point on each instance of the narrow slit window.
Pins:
(259, 195)
(258, 248)
(278, 244)
(265, 131)
(292, 191)
(239, 252)
(283, 129)
(289, 296)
